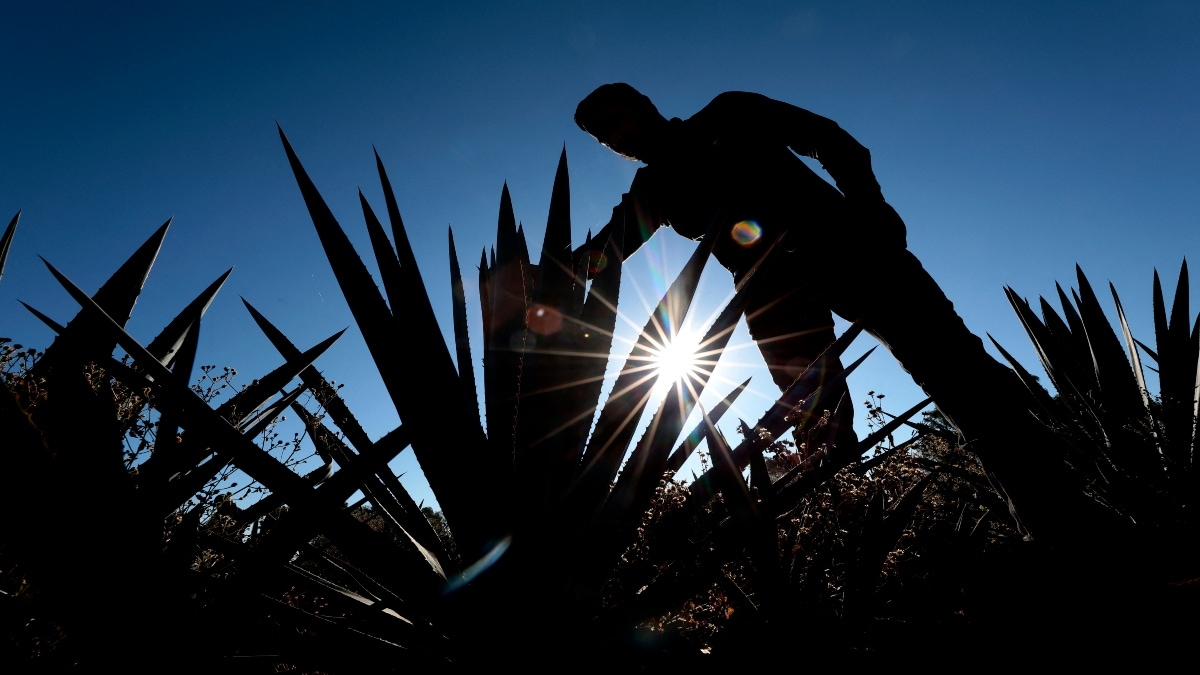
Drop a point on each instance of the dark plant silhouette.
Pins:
(531, 484)
(1133, 452)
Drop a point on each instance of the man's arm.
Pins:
(753, 118)
(747, 117)
(633, 221)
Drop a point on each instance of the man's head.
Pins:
(624, 120)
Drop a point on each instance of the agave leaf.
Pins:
(357, 648)
(756, 525)
(242, 404)
(326, 393)
(693, 439)
(117, 296)
(310, 513)
(555, 367)
(1196, 395)
(1149, 352)
(184, 360)
(420, 320)
(1180, 318)
(189, 481)
(597, 321)
(51, 323)
(634, 384)
(423, 408)
(406, 290)
(1080, 363)
(1118, 388)
(374, 456)
(902, 447)
(362, 295)
(1027, 378)
(759, 479)
(390, 633)
(505, 344)
(1045, 347)
(1053, 362)
(878, 541)
(410, 522)
(821, 466)
(404, 252)
(892, 425)
(462, 338)
(580, 267)
(238, 408)
(1132, 348)
(415, 577)
(168, 341)
(1078, 330)
(385, 259)
(523, 256)
(1177, 360)
(506, 230)
(648, 463)
(6, 240)
(485, 299)
(794, 406)
(556, 277)
(355, 598)
(1070, 351)
(419, 331)
(252, 426)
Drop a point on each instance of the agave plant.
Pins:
(541, 508)
(543, 487)
(1136, 452)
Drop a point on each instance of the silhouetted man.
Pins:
(845, 248)
(732, 164)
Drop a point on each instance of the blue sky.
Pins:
(1015, 139)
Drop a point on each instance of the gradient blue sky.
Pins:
(1016, 139)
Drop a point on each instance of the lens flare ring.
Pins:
(747, 233)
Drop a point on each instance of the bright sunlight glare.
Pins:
(676, 359)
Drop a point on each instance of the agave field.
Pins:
(563, 533)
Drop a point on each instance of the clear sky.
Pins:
(1016, 139)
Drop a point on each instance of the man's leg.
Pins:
(791, 330)
(905, 309)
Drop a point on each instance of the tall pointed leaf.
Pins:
(173, 335)
(505, 343)
(631, 392)
(50, 323)
(462, 338)
(693, 439)
(1177, 372)
(326, 393)
(6, 240)
(310, 514)
(1117, 384)
(648, 463)
(117, 296)
(553, 367)
(796, 404)
(423, 408)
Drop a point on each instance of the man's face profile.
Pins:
(625, 132)
(622, 119)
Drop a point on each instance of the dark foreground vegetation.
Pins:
(563, 538)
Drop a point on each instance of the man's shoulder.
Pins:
(734, 101)
(740, 114)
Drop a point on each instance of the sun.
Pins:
(676, 359)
